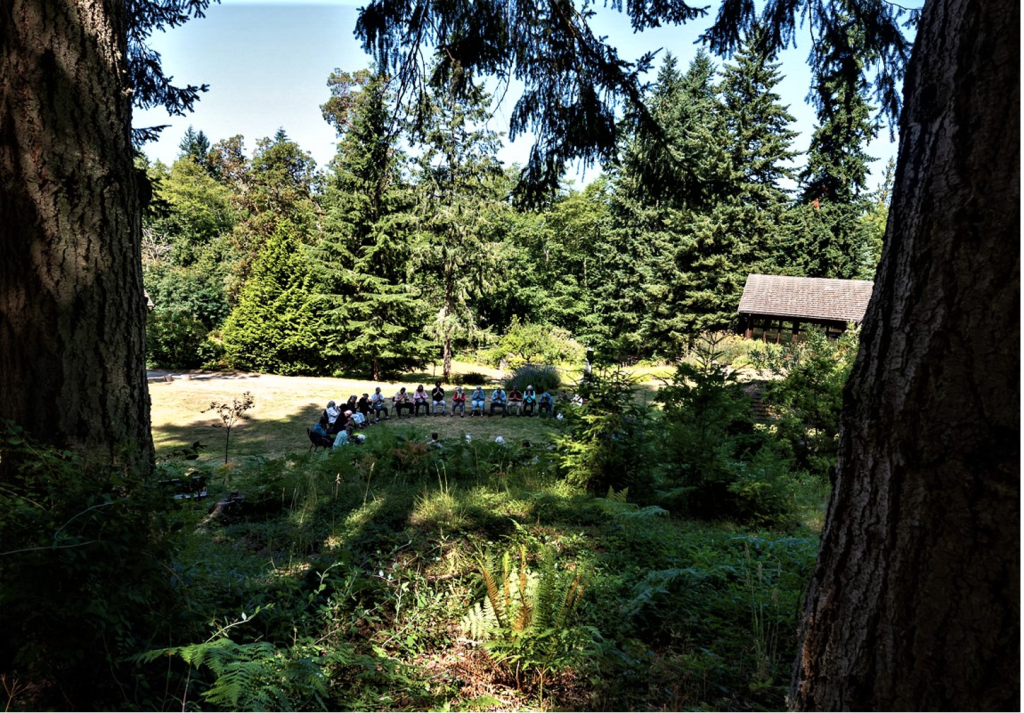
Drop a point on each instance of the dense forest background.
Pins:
(412, 246)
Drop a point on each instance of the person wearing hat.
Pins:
(529, 400)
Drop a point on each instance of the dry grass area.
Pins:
(286, 405)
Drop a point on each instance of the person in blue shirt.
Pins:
(477, 401)
(498, 400)
(342, 438)
(529, 401)
(546, 402)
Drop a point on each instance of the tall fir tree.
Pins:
(459, 183)
(371, 313)
(834, 241)
(759, 137)
(701, 272)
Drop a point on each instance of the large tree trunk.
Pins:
(914, 603)
(72, 311)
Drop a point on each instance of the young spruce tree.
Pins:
(272, 328)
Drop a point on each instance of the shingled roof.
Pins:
(810, 298)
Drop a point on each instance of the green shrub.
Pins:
(532, 343)
(470, 378)
(541, 376)
(712, 461)
(807, 397)
(273, 328)
(174, 339)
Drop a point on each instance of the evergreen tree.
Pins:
(834, 241)
(759, 146)
(758, 125)
(699, 271)
(371, 314)
(458, 186)
(875, 219)
(194, 144)
(273, 328)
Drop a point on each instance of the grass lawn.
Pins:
(286, 405)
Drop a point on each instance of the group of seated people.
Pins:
(337, 423)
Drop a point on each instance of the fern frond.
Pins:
(619, 497)
(506, 575)
(493, 596)
(480, 621)
(544, 599)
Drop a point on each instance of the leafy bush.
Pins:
(174, 339)
(470, 378)
(532, 343)
(198, 290)
(541, 377)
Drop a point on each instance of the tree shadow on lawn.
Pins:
(250, 436)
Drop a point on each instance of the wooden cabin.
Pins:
(776, 308)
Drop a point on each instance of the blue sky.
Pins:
(267, 63)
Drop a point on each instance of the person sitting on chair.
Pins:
(529, 400)
(419, 398)
(329, 419)
(363, 407)
(515, 401)
(378, 404)
(352, 405)
(477, 401)
(402, 402)
(546, 402)
(318, 436)
(459, 401)
(359, 420)
(498, 398)
(437, 397)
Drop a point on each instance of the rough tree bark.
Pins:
(72, 310)
(915, 601)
